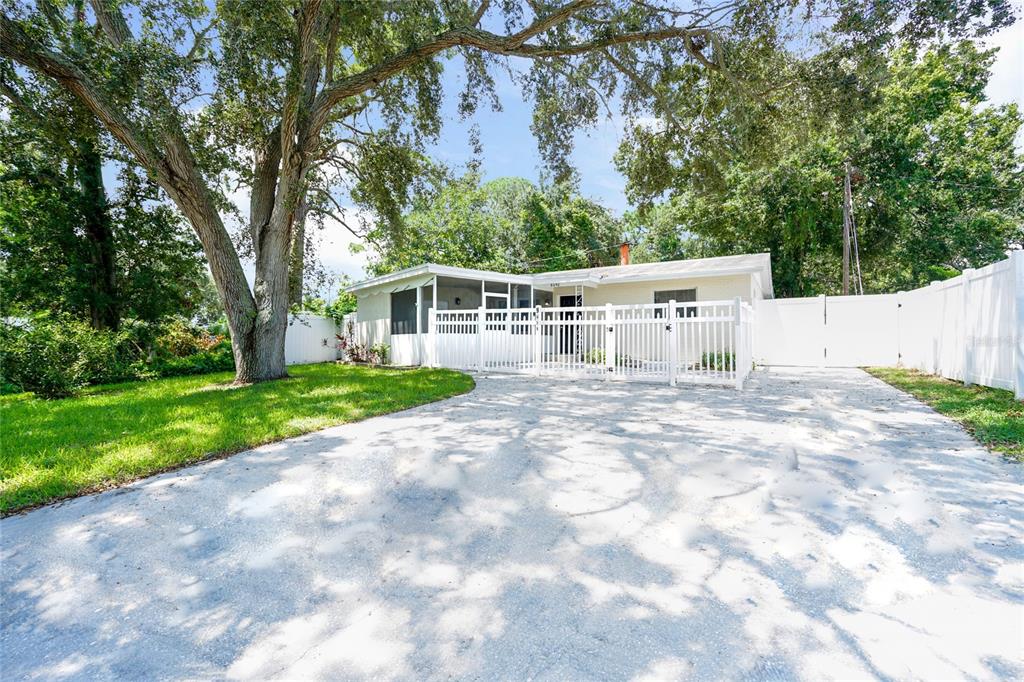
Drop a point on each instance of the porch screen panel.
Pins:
(403, 312)
(428, 303)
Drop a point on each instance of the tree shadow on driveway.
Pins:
(817, 525)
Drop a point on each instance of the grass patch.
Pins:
(990, 414)
(52, 449)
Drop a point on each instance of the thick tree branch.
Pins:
(549, 21)
(511, 45)
(173, 167)
(111, 21)
(14, 44)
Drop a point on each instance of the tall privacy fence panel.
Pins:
(310, 338)
(706, 342)
(969, 328)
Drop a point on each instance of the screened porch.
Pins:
(410, 306)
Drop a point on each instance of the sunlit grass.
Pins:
(51, 449)
(991, 414)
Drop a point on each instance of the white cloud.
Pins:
(1007, 83)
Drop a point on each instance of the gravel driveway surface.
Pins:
(818, 525)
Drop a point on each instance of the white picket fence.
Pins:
(699, 342)
(969, 328)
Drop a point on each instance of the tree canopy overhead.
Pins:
(275, 95)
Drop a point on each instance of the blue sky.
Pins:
(509, 148)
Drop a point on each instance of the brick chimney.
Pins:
(624, 253)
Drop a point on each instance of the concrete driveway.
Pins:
(819, 525)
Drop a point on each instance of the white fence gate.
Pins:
(700, 342)
(969, 328)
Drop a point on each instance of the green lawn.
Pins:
(52, 449)
(991, 414)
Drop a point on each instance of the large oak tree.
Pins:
(276, 95)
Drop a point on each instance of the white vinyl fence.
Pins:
(310, 338)
(969, 328)
(701, 342)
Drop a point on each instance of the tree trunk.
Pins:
(296, 272)
(103, 302)
(257, 328)
(271, 295)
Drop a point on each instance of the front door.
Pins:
(567, 338)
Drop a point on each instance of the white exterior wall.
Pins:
(630, 293)
(310, 338)
(467, 291)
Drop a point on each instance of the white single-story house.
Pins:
(395, 308)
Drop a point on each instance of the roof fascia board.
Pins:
(721, 272)
(389, 278)
(441, 270)
(469, 273)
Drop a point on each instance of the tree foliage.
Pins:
(937, 183)
(507, 225)
(146, 266)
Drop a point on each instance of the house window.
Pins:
(679, 296)
(403, 312)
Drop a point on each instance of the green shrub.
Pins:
(718, 361)
(380, 354)
(178, 339)
(55, 357)
(218, 358)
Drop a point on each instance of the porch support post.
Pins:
(419, 325)
(538, 340)
(432, 326)
(739, 357)
(673, 347)
(480, 337)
